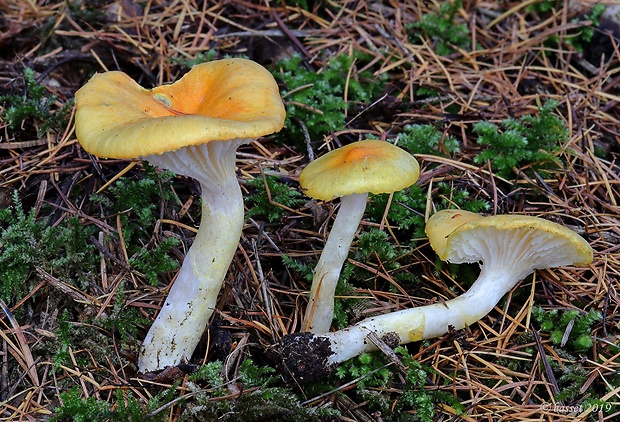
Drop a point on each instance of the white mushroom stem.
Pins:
(425, 322)
(320, 310)
(184, 315)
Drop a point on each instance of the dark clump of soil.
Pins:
(304, 357)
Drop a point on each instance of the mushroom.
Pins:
(193, 128)
(508, 247)
(350, 173)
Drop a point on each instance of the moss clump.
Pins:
(138, 202)
(27, 242)
(556, 323)
(530, 141)
(271, 198)
(35, 106)
(441, 29)
(317, 99)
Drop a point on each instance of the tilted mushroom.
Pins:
(508, 247)
(193, 128)
(350, 172)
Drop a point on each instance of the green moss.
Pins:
(427, 139)
(122, 319)
(86, 12)
(76, 409)
(261, 402)
(344, 307)
(63, 341)
(441, 29)
(98, 336)
(35, 108)
(306, 270)
(125, 407)
(252, 375)
(542, 6)
(316, 98)
(556, 324)
(408, 206)
(415, 394)
(26, 242)
(374, 245)
(370, 368)
(137, 202)
(270, 198)
(415, 400)
(530, 141)
(157, 260)
(581, 37)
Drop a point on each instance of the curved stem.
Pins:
(190, 303)
(424, 322)
(320, 310)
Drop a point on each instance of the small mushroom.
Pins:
(350, 173)
(508, 247)
(193, 128)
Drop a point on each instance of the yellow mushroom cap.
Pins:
(361, 167)
(441, 224)
(215, 101)
(517, 243)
